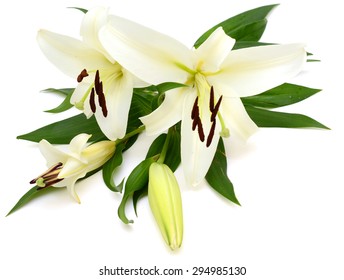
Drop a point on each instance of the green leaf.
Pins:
(65, 105)
(249, 44)
(282, 95)
(59, 91)
(217, 175)
(136, 197)
(137, 180)
(249, 32)
(172, 159)
(266, 118)
(249, 24)
(28, 196)
(168, 86)
(156, 147)
(62, 132)
(110, 167)
(80, 9)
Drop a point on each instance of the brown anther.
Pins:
(82, 75)
(211, 99)
(97, 84)
(197, 120)
(102, 104)
(195, 110)
(50, 176)
(211, 133)
(200, 130)
(216, 109)
(92, 102)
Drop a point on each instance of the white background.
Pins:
(290, 182)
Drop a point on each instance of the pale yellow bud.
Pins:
(166, 203)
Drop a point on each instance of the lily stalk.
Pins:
(216, 77)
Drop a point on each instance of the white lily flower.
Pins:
(65, 168)
(105, 87)
(217, 77)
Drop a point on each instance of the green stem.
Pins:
(165, 147)
(131, 134)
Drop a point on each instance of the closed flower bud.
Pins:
(166, 203)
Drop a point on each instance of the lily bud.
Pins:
(166, 203)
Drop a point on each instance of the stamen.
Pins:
(82, 75)
(46, 173)
(49, 177)
(97, 82)
(195, 115)
(200, 130)
(98, 85)
(211, 101)
(102, 102)
(197, 120)
(211, 133)
(92, 102)
(195, 110)
(216, 109)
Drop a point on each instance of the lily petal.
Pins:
(254, 70)
(196, 156)
(78, 144)
(92, 22)
(71, 168)
(150, 55)
(70, 184)
(51, 153)
(118, 96)
(214, 50)
(69, 55)
(167, 114)
(236, 117)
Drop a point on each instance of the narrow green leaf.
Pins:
(313, 60)
(249, 44)
(65, 105)
(285, 94)
(59, 91)
(28, 196)
(234, 24)
(62, 132)
(137, 180)
(157, 145)
(110, 167)
(80, 9)
(168, 86)
(217, 175)
(266, 118)
(249, 32)
(136, 197)
(172, 159)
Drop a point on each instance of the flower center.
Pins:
(48, 178)
(205, 91)
(96, 89)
